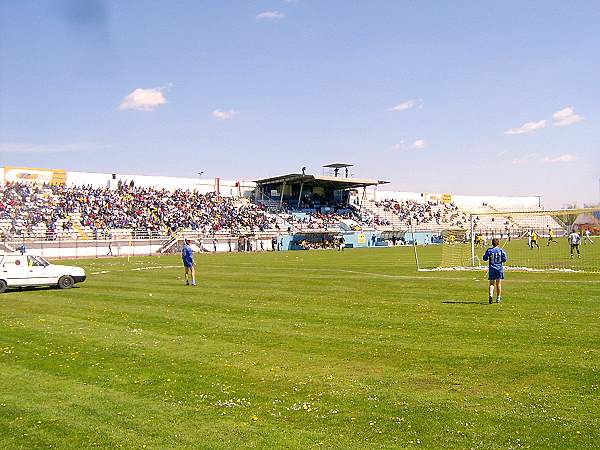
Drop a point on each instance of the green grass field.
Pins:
(304, 350)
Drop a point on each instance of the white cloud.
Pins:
(273, 16)
(408, 104)
(144, 99)
(419, 144)
(566, 117)
(536, 157)
(525, 159)
(399, 146)
(225, 114)
(24, 147)
(527, 127)
(562, 118)
(567, 157)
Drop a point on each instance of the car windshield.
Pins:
(42, 261)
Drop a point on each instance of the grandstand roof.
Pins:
(320, 180)
(338, 165)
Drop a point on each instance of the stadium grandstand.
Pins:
(64, 213)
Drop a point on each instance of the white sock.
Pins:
(491, 290)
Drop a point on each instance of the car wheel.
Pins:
(66, 282)
(2, 286)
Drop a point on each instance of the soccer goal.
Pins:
(536, 240)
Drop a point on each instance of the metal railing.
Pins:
(130, 243)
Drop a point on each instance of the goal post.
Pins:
(535, 240)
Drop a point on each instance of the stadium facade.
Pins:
(235, 188)
(62, 213)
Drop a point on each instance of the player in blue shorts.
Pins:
(188, 263)
(496, 257)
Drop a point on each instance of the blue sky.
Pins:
(466, 97)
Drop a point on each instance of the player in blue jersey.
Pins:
(496, 257)
(188, 263)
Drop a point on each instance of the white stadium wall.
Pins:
(398, 196)
(132, 247)
(462, 201)
(228, 188)
(495, 200)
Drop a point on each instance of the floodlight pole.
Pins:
(472, 226)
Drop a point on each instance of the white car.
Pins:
(18, 270)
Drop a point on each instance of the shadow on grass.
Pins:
(464, 303)
(16, 290)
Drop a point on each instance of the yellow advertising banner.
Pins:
(35, 176)
(361, 238)
(447, 198)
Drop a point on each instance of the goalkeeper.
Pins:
(496, 257)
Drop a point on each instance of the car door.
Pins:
(14, 270)
(39, 272)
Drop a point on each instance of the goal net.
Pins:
(537, 240)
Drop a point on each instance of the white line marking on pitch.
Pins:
(156, 267)
(416, 277)
(371, 274)
(136, 269)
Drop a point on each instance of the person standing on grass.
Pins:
(586, 237)
(551, 237)
(188, 263)
(534, 237)
(496, 257)
(575, 240)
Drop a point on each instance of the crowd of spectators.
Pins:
(420, 213)
(26, 209)
(317, 202)
(330, 243)
(402, 213)
(101, 210)
(314, 220)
